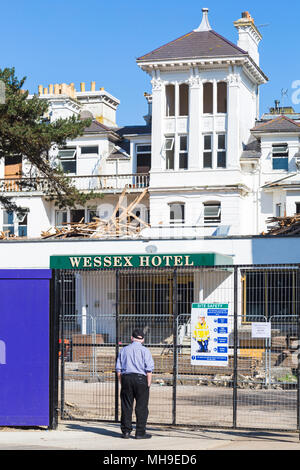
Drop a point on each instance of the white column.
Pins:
(158, 101)
(176, 141)
(214, 136)
(195, 113)
(233, 126)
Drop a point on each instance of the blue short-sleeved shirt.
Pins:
(135, 359)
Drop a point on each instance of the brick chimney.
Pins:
(249, 36)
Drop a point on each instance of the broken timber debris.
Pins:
(288, 225)
(122, 223)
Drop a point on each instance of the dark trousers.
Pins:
(134, 387)
(203, 345)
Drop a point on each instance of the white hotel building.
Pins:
(212, 168)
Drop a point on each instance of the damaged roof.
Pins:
(252, 149)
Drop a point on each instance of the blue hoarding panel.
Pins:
(24, 347)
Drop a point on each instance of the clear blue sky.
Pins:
(72, 41)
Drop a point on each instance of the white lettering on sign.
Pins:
(75, 262)
(120, 261)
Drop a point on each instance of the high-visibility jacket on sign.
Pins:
(201, 332)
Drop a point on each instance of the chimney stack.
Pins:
(249, 36)
(82, 86)
(93, 86)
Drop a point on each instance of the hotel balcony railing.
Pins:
(97, 183)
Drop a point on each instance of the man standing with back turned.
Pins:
(134, 369)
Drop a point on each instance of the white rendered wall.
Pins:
(231, 206)
(259, 250)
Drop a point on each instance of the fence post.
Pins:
(62, 346)
(117, 348)
(235, 344)
(54, 311)
(298, 378)
(175, 320)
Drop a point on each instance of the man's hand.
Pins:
(149, 378)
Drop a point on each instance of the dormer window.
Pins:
(280, 157)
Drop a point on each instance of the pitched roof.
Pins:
(195, 44)
(134, 130)
(96, 127)
(280, 124)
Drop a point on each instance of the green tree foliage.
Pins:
(25, 131)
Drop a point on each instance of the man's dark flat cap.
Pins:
(138, 334)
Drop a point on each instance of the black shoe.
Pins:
(143, 436)
(126, 435)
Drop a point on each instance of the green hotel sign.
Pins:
(138, 261)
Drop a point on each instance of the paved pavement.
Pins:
(106, 437)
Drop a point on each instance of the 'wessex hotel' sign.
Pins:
(138, 261)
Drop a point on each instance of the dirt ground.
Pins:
(195, 405)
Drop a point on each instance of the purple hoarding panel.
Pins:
(24, 347)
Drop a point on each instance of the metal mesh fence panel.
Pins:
(267, 395)
(88, 345)
(257, 388)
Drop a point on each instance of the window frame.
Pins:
(56, 221)
(165, 149)
(169, 105)
(89, 147)
(171, 149)
(181, 97)
(18, 223)
(219, 105)
(183, 152)
(178, 221)
(205, 98)
(283, 156)
(205, 151)
(72, 159)
(212, 219)
(222, 150)
(141, 152)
